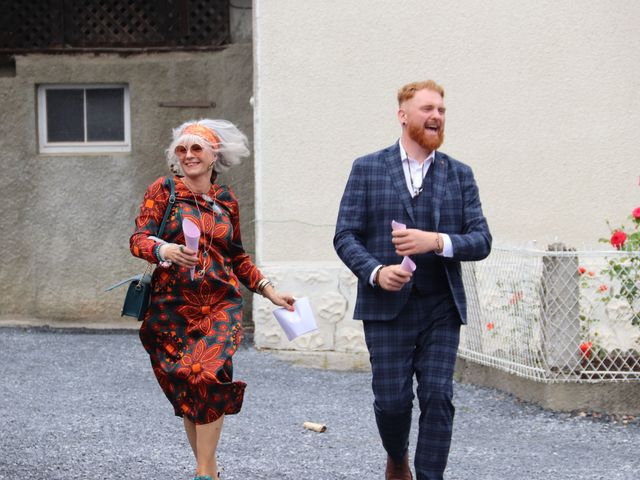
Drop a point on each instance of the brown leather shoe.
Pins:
(398, 471)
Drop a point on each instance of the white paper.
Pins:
(298, 322)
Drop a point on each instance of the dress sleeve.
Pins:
(148, 221)
(244, 268)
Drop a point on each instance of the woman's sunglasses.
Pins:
(181, 150)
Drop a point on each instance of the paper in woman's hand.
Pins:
(407, 264)
(191, 238)
(298, 322)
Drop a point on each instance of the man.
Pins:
(412, 320)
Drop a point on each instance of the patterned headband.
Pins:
(204, 132)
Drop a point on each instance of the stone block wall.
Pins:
(67, 218)
(331, 289)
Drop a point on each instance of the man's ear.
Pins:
(402, 116)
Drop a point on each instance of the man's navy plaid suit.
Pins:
(414, 330)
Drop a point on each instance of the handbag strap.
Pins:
(172, 200)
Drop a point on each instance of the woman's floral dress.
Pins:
(193, 327)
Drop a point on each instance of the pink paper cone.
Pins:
(408, 265)
(191, 238)
(397, 225)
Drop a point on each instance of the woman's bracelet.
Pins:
(262, 284)
(157, 254)
(162, 260)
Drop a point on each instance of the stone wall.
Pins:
(66, 219)
(331, 289)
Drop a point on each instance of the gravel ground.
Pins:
(85, 405)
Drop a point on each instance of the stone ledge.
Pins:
(323, 360)
(32, 322)
(621, 398)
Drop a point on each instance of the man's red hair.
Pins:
(409, 90)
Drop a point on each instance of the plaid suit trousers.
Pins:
(421, 341)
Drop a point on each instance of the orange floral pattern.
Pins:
(193, 327)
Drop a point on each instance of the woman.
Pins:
(193, 326)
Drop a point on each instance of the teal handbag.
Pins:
(136, 301)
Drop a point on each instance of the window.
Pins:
(83, 118)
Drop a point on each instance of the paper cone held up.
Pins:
(191, 238)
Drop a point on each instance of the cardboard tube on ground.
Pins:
(316, 427)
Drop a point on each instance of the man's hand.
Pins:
(413, 241)
(393, 278)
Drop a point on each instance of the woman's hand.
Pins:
(280, 299)
(179, 254)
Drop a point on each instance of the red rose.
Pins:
(603, 288)
(581, 270)
(618, 238)
(636, 214)
(490, 326)
(585, 348)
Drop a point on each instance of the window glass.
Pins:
(65, 115)
(105, 114)
(79, 118)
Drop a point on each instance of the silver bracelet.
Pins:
(264, 283)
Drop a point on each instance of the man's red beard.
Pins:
(417, 134)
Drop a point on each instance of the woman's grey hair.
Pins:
(233, 147)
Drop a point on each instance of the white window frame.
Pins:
(86, 146)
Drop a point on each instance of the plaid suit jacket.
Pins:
(376, 193)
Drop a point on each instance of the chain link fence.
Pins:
(556, 315)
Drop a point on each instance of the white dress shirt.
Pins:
(414, 173)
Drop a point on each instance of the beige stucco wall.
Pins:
(543, 102)
(66, 219)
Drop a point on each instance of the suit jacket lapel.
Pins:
(394, 167)
(439, 166)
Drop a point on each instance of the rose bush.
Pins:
(623, 237)
(616, 287)
(624, 271)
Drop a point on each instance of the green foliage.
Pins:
(624, 271)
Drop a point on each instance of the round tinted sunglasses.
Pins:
(181, 150)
